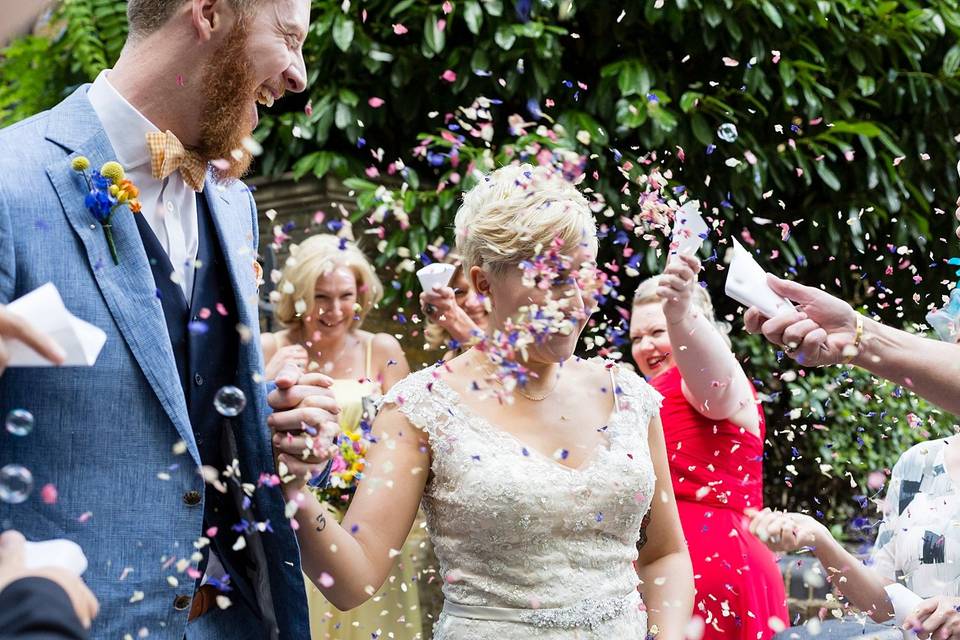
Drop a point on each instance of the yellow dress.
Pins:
(394, 611)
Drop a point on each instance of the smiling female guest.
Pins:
(534, 506)
(456, 315)
(714, 430)
(330, 287)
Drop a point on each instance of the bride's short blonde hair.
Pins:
(516, 209)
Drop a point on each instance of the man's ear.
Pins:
(211, 17)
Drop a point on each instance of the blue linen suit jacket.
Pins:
(106, 437)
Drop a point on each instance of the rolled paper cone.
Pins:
(438, 273)
(61, 553)
(747, 284)
(903, 601)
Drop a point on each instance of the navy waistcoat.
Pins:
(205, 342)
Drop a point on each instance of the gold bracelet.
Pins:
(854, 349)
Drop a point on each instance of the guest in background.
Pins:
(714, 429)
(455, 314)
(327, 289)
(916, 542)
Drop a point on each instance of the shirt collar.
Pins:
(126, 127)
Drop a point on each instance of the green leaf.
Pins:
(303, 166)
(951, 61)
(473, 15)
(323, 164)
(343, 32)
(505, 37)
(431, 217)
(771, 12)
(359, 184)
(493, 7)
(688, 101)
(432, 35)
(866, 85)
(829, 177)
(400, 7)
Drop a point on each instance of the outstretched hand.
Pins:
(821, 332)
(785, 532)
(676, 286)
(936, 618)
(13, 568)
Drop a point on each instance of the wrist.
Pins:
(871, 335)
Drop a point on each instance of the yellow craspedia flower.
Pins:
(80, 163)
(114, 190)
(113, 172)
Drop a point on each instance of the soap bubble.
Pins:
(728, 132)
(19, 422)
(16, 483)
(229, 401)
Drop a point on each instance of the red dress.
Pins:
(717, 471)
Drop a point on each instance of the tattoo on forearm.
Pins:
(642, 540)
(321, 522)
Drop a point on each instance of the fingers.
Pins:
(753, 319)
(310, 420)
(811, 347)
(915, 618)
(774, 328)
(307, 385)
(13, 326)
(288, 376)
(12, 549)
(682, 269)
(794, 334)
(795, 291)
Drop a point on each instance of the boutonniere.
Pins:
(109, 190)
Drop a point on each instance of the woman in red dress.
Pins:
(714, 429)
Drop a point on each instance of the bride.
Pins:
(536, 469)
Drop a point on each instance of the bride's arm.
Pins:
(348, 562)
(666, 575)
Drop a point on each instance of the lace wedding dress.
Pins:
(529, 548)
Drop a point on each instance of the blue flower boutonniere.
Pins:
(109, 190)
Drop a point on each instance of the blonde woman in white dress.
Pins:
(534, 506)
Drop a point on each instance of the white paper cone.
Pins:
(747, 284)
(61, 553)
(438, 273)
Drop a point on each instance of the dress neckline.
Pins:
(468, 414)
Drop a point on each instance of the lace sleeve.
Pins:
(637, 395)
(423, 402)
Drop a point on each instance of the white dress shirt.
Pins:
(169, 205)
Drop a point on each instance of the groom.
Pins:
(167, 484)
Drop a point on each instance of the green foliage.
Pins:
(828, 430)
(39, 71)
(827, 97)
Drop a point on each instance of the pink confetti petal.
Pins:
(449, 76)
(48, 494)
(376, 103)
(447, 8)
(399, 29)
(326, 580)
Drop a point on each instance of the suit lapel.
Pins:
(128, 288)
(237, 246)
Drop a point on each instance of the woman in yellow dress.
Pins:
(327, 288)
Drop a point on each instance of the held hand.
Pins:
(304, 423)
(786, 532)
(12, 553)
(13, 327)
(935, 618)
(440, 305)
(292, 353)
(821, 333)
(676, 287)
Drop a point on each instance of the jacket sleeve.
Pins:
(38, 609)
(8, 261)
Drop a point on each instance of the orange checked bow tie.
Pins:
(167, 154)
